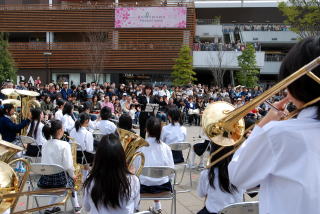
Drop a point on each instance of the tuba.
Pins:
(77, 167)
(224, 125)
(9, 180)
(131, 142)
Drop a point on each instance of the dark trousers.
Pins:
(204, 211)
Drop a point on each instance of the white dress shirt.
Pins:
(127, 207)
(67, 122)
(284, 158)
(40, 139)
(58, 152)
(58, 115)
(84, 138)
(216, 198)
(156, 154)
(173, 134)
(106, 127)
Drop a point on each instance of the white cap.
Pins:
(65, 83)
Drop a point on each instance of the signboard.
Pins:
(150, 17)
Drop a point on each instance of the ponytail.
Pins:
(83, 117)
(50, 129)
(36, 114)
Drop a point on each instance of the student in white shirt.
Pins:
(105, 125)
(56, 151)
(58, 115)
(156, 154)
(283, 156)
(84, 138)
(113, 190)
(174, 133)
(35, 131)
(68, 118)
(215, 186)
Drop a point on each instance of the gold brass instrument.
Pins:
(77, 167)
(224, 124)
(9, 180)
(11, 185)
(131, 142)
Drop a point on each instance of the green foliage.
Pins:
(7, 69)
(182, 73)
(303, 16)
(248, 74)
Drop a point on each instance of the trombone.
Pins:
(224, 125)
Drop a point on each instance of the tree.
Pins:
(248, 74)
(303, 16)
(7, 68)
(218, 62)
(95, 53)
(182, 73)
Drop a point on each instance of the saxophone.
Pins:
(77, 167)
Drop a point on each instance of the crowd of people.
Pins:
(214, 46)
(279, 156)
(191, 100)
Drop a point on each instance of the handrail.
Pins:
(94, 6)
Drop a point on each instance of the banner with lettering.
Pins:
(150, 17)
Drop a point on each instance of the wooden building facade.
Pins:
(84, 34)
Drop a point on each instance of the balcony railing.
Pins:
(227, 28)
(80, 6)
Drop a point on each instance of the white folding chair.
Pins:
(79, 148)
(143, 212)
(26, 140)
(39, 169)
(97, 135)
(159, 172)
(241, 208)
(181, 147)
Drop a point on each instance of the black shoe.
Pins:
(53, 210)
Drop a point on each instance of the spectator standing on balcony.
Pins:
(65, 91)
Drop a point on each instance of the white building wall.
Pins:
(209, 31)
(271, 68)
(208, 59)
(270, 37)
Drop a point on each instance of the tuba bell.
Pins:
(224, 125)
(9, 180)
(131, 142)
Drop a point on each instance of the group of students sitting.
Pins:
(109, 186)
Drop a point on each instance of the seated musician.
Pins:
(283, 155)
(68, 118)
(9, 129)
(84, 138)
(156, 154)
(56, 151)
(215, 186)
(174, 133)
(110, 187)
(35, 131)
(105, 125)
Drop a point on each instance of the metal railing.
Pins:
(93, 6)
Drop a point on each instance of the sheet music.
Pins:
(152, 107)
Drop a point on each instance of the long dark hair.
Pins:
(222, 166)
(83, 117)
(36, 116)
(5, 110)
(50, 129)
(67, 109)
(304, 89)
(109, 174)
(175, 116)
(154, 128)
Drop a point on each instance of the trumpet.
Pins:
(224, 125)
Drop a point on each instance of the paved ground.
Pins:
(187, 203)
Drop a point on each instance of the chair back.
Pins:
(45, 169)
(27, 140)
(158, 172)
(143, 212)
(180, 146)
(241, 208)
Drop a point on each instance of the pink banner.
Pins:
(150, 17)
